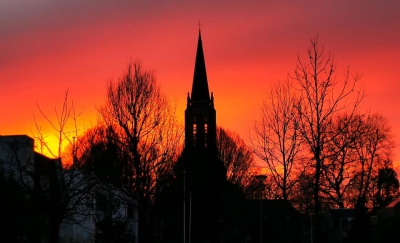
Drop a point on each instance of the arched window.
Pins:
(205, 134)
(194, 133)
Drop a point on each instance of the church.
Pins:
(201, 205)
(193, 208)
(204, 172)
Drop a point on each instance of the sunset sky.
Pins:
(50, 46)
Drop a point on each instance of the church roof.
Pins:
(394, 203)
(200, 90)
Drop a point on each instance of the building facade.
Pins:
(62, 206)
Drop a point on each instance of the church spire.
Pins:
(200, 90)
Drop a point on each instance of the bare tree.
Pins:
(64, 117)
(387, 187)
(359, 148)
(372, 152)
(302, 197)
(339, 167)
(322, 96)
(96, 151)
(145, 128)
(235, 155)
(72, 191)
(276, 137)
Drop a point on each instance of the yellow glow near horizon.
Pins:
(49, 147)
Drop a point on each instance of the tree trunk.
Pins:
(317, 206)
(143, 227)
(54, 229)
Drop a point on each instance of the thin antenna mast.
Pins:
(184, 209)
(190, 215)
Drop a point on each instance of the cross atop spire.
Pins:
(199, 26)
(200, 90)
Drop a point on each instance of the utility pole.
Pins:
(261, 179)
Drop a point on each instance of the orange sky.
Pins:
(49, 46)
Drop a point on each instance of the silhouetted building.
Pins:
(110, 218)
(203, 172)
(201, 205)
(38, 179)
(281, 222)
(41, 180)
(386, 223)
(200, 114)
(190, 208)
(16, 154)
(337, 223)
(390, 211)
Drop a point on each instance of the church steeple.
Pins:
(200, 90)
(200, 114)
(204, 172)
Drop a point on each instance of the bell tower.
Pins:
(200, 115)
(200, 176)
(203, 171)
